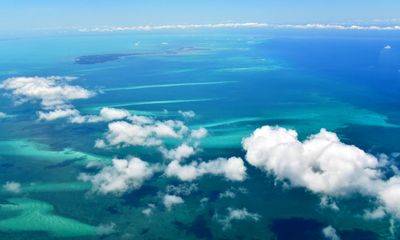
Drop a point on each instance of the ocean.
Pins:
(235, 81)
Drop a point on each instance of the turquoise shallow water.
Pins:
(237, 82)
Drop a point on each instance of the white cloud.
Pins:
(172, 27)
(388, 47)
(198, 133)
(109, 114)
(327, 202)
(235, 215)
(227, 194)
(232, 169)
(244, 25)
(3, 115)
(182, 189)
(187, 114)
(124, 175)
(375, 214)
(58, 114)
(52, 92)
(330, 233)
(183, 151)
(149, 210)
(105, 229)
(172, 200)
(184, 173)
(12, 187)
(389, 194)
(122, 133)
(322, 164)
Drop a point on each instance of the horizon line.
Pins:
(309, 26)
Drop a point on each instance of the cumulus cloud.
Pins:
(187, 114)
(199, 133)
(109, 114)
(12, 187)
(232, 169)
(322, 164)
(58, 113)
(53, 93)
(330, 233)
(122, 176)
(170, 201)
(236, 215)
(183, 151)
(388, 47)
(122, 133)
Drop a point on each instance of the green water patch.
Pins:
(41, 187)
(37, 216)
(170, 85)
(38, 151)
(333, 115)
(231, 139)
(228, 133)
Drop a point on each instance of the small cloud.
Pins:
(227, 194)
(105, 229)
(330, 233)
(199, 133)
(375, 214)
(232, 169)
(388, 47)
(204, 201)
(12, 187)
(187, 114)
(327, 202)
(236, 215)
(172, 200)
(183, 151)
(184, 189)
(58, 114)
(142, 133)
(122, 176)
(149, 210)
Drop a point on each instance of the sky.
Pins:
(50, 14)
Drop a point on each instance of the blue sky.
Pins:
(29, 14)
